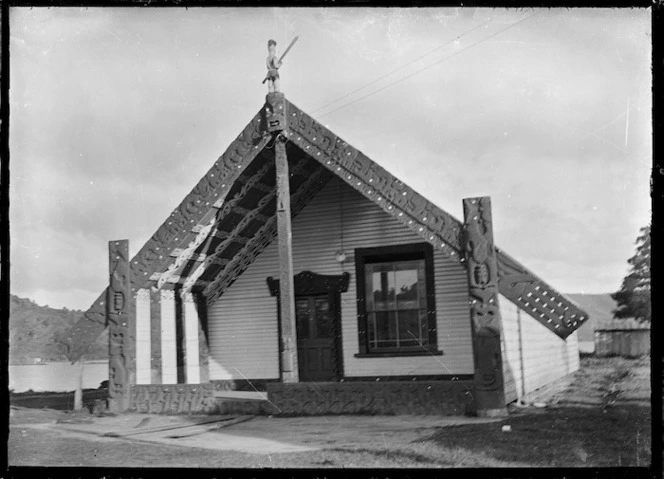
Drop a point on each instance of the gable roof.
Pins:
(229, 218)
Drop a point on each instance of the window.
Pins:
(396, 300)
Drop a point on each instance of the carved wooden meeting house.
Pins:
(300, 268)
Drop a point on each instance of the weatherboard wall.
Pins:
(532, 355)
(243, 321)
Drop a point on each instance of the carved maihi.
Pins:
(431, 223)
(176, 230)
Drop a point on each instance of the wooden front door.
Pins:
(318, 324)
(315, 337)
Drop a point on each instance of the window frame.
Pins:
(393, 254)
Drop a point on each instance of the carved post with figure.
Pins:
(119, 311)
(480, 255)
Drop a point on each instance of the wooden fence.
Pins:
(626, 338)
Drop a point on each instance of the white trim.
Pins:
(143, 339)
(169, 370)
(192, 363)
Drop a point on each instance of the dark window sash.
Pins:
(409, 252)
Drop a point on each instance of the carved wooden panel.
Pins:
(172, 399)
(310, 283)
(484, 310)
(357, 397)
(121, 340)
(537, 298)
(276, 110)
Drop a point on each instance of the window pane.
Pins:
(323, 319)
(396, 304)
(409, 328)
(382, 281)
(424, 326)
(386, 331)
(407, 288)
(422, 286)
(302, 317)
(371, 328)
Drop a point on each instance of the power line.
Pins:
(401, 67)
(427, 67)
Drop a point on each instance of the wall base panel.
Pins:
(172, 399)
(452, 398)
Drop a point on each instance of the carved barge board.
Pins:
(176, 230)
(537, 298)
(434, 225)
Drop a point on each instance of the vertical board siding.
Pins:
(169, 373)
(192, 364)
(538, 357)
(243, 321)
(143, 346)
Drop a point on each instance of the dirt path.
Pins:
(600, 383)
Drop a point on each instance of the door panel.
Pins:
(315, 338)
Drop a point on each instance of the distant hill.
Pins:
(34, 331)
(599, 308)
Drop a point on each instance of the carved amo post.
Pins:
(119, 315)
(485, 312)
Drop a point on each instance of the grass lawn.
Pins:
(567, 436)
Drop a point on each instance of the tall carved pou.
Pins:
(119, 311)
(482, 270)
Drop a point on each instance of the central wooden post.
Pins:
(287, 298)
(480, 256)
(289, 368)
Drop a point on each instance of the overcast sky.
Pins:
(116, 113)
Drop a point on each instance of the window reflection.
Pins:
(396, 305)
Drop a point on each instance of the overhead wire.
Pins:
(427, 67)
(402, 66)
